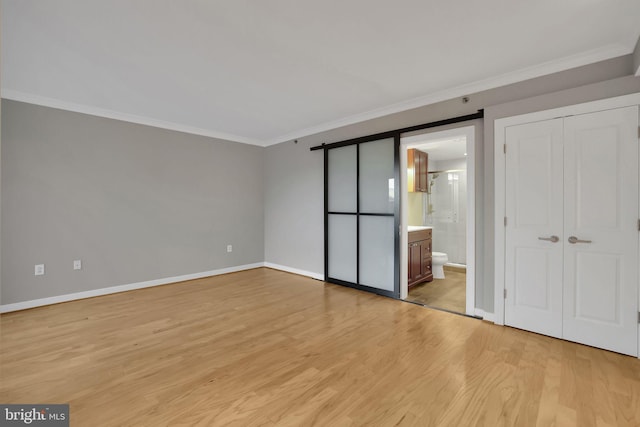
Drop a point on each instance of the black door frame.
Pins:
(395, 134)
(396, 216)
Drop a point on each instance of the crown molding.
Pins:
(15, 95)
(550, 67)
(573, 61)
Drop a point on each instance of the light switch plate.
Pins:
(39, 270)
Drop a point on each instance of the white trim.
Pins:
(407, 142)
(582, 108)
(23, 305)
(500, 126)
(489, 317)
(499, 171)
(471, 220)
(550, 67)
(573, 61)
(317, 276)
(404, 221)
(126, 117)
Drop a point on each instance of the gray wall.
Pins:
(294, 178)
(135, 203)
(289, 162)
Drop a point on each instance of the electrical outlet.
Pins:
(229, 248)
(39, 270)
(77, 264)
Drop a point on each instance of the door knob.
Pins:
(553, 239)
(573, 240)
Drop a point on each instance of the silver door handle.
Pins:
(554, 239)
(573, 240)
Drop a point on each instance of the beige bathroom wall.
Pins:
(415, 208)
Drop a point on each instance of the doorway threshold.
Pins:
(443, 309)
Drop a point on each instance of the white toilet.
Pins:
(438, 259)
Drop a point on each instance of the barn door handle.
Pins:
(573, 240)
(554, 239)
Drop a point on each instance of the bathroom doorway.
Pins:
(438, 219)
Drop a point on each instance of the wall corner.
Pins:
(636, 59)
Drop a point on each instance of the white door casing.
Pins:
(601, 211)
(533, 264)
(409, 142)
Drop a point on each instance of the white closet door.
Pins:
(533, 267)
(601, 209)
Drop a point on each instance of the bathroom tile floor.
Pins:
(448, 293)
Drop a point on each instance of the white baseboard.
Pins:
(23, 305)
(317, 276)
(489, 317)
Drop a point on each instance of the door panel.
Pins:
(596, 152)
(533, 267)
(531, 288)
(424, 166)
(593, 301)
(343, 256)
(342, 179)
(415, 262)
(376, 252)
(377, 184)
(601, 208)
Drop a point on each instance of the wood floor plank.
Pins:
(268, 348)
(448, 293)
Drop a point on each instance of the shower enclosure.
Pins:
(445, 209)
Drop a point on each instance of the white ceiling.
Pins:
(264, 72)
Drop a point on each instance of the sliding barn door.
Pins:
(362, 216)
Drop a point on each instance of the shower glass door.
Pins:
(447, 213)
(362, 215)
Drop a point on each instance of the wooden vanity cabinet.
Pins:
(418, 165)
(419, 257)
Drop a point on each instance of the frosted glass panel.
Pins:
(376, 176)
(377, 252)
(342, 179)
(342, 247)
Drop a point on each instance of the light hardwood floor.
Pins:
(448, 293)
(263, 347)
